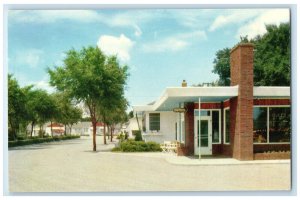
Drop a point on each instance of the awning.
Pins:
(173, 96)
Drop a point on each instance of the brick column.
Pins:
(189, 127)
(241, 73)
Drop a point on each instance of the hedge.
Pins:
(138, 146)
(36, 140)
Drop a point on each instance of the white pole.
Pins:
(199, 132)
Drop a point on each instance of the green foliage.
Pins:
(116, 149)
(121, 137)
(138, 136)
(130, 114)
(68, 114)
(37, 140)
(126, 135)
(90, 77)
(222, 66)
(272, 61)
(16, 107)
(272, 58)
(138, 146)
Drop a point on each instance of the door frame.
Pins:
(204, 150)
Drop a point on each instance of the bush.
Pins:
(126, 135)
(139, 146)
(37, 140)
(138, 136)
(115, 149)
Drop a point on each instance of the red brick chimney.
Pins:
(241, 107)
(184, 83)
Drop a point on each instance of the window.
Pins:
(260, 117)
(271, 124)
(154, 121)
(215, 126)
(202, 113)
(279, 124)
(226, 126)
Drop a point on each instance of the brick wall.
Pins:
(266, 102)
(208, 106)
(241, 107)
(189, 128)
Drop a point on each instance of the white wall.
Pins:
(167, 127)
(133, 125)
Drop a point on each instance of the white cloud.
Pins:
(257, 26)
(119, 46)
(44, 84)
(30, 57)
(52, 16)
(85, 16)
(174, 43)
(233, 17)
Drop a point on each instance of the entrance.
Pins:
(206, 135)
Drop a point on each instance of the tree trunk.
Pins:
(65, 130)
(104, 134)
(108, 131)
(41, 131)
(32, 125)
(111, 133)
(71, 129)
(94, 122)
(51, 130)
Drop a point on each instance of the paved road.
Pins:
(71, 166)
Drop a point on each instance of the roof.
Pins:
(55, 125)
(98, 124)
(173, 96)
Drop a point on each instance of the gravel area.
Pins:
(71, 166)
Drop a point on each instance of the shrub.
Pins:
(138, 136)
(126, 135)
(134, 132)
(36, 140)
(115, 149)
(139, 146)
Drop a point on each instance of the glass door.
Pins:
(205, 136)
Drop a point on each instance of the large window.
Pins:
(271, 124)
(154, 121)
(279, 124)
(226, 126)
(260, 115)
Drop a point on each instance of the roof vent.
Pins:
(184, 83)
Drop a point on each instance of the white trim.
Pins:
(265, 91)
(268, 123)
(276, 106)
(224, 126)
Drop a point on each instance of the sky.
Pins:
(162, 47)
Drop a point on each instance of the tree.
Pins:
(68, 114)
(16, 106)
(271, 58)
(44, 107)
(90, 77)
(222, 66)
(116, 115)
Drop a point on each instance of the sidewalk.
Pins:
(183, 160)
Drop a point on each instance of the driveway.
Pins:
(71, 166)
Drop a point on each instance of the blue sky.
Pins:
(161, 47)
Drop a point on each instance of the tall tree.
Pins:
(271, 58)
(89, 76)
(16, 106)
